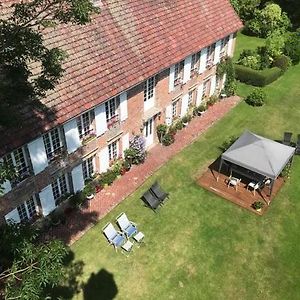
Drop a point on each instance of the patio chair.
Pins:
(254, 186)
(151, 200)
(114, 237)
(159, 192)
(287, 138)
(234, 182)
(297, 151)
(127, 227)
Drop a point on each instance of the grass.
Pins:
(201, 246)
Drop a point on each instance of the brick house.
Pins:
(136, 65)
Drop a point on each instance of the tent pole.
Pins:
(271, 190)
(220, 167)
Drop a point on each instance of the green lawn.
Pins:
(201, 246)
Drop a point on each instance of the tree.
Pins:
(292, 46)
(28, 67)
(31, 267)
(246, 9)
(268, 20)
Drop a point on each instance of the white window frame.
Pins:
(51, 151)
(88, 167)
(195, 63)
(149, 89)
(224, 46)
(175, 111)
(83, 128)
(210, 55)
(111, 108)
(24, 210)
(113, 150)
(178, 73)
(11, 159)
(58, 183)
(192, 94)
(205, 88)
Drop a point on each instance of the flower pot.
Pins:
(99, 188)
(258, 209)
(90, 197)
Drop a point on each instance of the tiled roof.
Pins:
(126, 43)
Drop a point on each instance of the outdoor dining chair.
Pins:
(254, 186)
(160, 194)
(234, 182)
(127, 227)
(114, 237)
(287, 138)
(151, 200)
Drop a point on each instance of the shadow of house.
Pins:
(100, 286)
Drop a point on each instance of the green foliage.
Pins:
(227, 143)
(89, 189)
(30, 266)
(227, 67)
(292, 46)
(108, 177)
(282, 62)
(7, 172)
(178, 125)
(22, 45)
(136, 153)
(245, 8)
(212, 100)
(275, 43)
(186, 118)
(199, 109)
(268, 20)
(257, 205)
(256, 98)
(77, 199)
(257, 77)
(161, 130)
(168, 139)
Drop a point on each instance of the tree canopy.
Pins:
(28, 67)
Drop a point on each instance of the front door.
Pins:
(148, 132)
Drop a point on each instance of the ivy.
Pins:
(226, 66)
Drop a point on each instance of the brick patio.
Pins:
(80, 221)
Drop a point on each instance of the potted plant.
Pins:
(89, 191)
(258, 205)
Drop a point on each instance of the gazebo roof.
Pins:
(259, 154)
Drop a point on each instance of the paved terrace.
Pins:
(80, 221)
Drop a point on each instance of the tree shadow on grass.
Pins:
(100, 286)
(70, 284)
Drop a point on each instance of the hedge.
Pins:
(257, 77)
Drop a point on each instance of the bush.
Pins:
(161, 130)
(257, 77)
(168, 139)
(256, 98)
(257, 205)
(227, 143)
(108, 177)
(282, 62)
(292, 46)
(136, 153)
(77, 199)
(89, 189)
(252, 62)
(179, 125)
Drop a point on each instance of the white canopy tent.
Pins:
(258, 154)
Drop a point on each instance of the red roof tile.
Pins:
(126, 43)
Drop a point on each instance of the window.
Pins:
(205, 87)
(85, 124)
(174, 108)
(27, 210)
(53, 143)
(111, 108)
(192, 97)
(17, 160)
(195, 61)
(88, 168)
(149, 88)
(113, 150)
(224, 43)
(178, 73)
(210, 55)
(60, 187)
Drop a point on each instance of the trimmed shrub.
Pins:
(256, 98)
(168, 139)
(282, 62)
(108, 177)
(257, 77)
(161, 130)
(179, 125)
